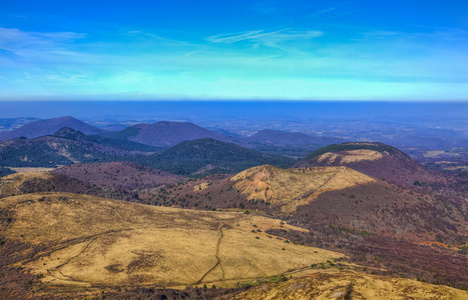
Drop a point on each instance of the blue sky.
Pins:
(294, 49)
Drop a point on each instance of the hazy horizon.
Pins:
(234, 109)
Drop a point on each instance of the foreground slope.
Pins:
(49, 127)
(374, 159)
(351, 285)
(79, 240)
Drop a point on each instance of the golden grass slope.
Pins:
(103, 242)
(290, 188)
(350, 156)
(351, 285)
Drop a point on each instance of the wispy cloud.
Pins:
(287, 41)
(155, 38)
(13, 39)
(442, 35)
(266, 38)
(334, 12)
(323, 12)
(192, 53)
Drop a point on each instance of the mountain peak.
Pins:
(67, 118)
(166, 133)
(49, 127)
(69, 133)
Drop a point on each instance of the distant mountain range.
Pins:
(49, 127)
(195, 157)
(165, 134)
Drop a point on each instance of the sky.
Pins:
(234, 50)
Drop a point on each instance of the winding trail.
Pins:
(310, 193)
(73, 257)
(218, 263)
(90, 240)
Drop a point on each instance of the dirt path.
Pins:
(91, 239)
(307, 195)
(73, 257)
(218, 263)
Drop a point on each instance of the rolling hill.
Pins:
(125, 175)
(68, 146)
(209, 156)
(34, 182)
(195, 158)
(49, 127)
(374, 159)
(71, 134)
(165, 134)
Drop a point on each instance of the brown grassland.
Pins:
(88, 241)
(350, 285)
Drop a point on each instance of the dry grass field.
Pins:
(331, 284)
(350, 156)
(290, 188)
(29, 170)
(88, 240)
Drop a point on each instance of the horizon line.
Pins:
(277, 100)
